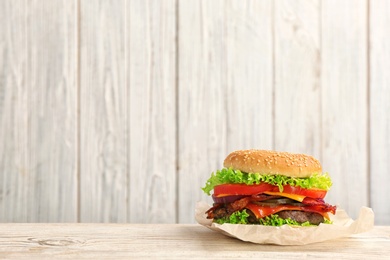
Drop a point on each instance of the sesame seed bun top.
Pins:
(273, 162)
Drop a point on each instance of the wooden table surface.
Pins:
(170, 241)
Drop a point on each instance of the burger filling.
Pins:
(268, 210)
(275, 200)
(291, 217)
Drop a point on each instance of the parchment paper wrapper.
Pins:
(342, 226)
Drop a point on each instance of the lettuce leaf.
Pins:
(238, 217)
(275, 220)
(228, 175)
(241, 217)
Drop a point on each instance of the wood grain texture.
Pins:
(297, 77)
(39, 119)
(118, 111)
(202, 99)
(344, 102)
(13, 113)
(157, 241)
(225, 93)
(103, 112)
(151, 79)
(379, 109)
(249, 73)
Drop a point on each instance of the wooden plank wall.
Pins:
(38, 111)
(118, 111)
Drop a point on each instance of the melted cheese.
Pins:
(287, 195)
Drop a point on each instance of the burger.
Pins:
(269, 188)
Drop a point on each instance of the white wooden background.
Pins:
(118, 111)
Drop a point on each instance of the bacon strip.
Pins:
(263, 211)
(238, 205)
(263, 197)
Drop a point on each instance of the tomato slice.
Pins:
(243, 189)
(312, 193)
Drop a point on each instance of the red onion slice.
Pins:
(227, 199)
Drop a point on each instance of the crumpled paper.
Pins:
(342, 226)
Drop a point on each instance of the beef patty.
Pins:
(302, 216)
(298, 216)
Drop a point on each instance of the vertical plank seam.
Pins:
(78, 113)
(224, 70)
(127, 118)
(368, 121)
(177, 130)
(273, 75)
(320, 81)
(26, 157)
(226, 89)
